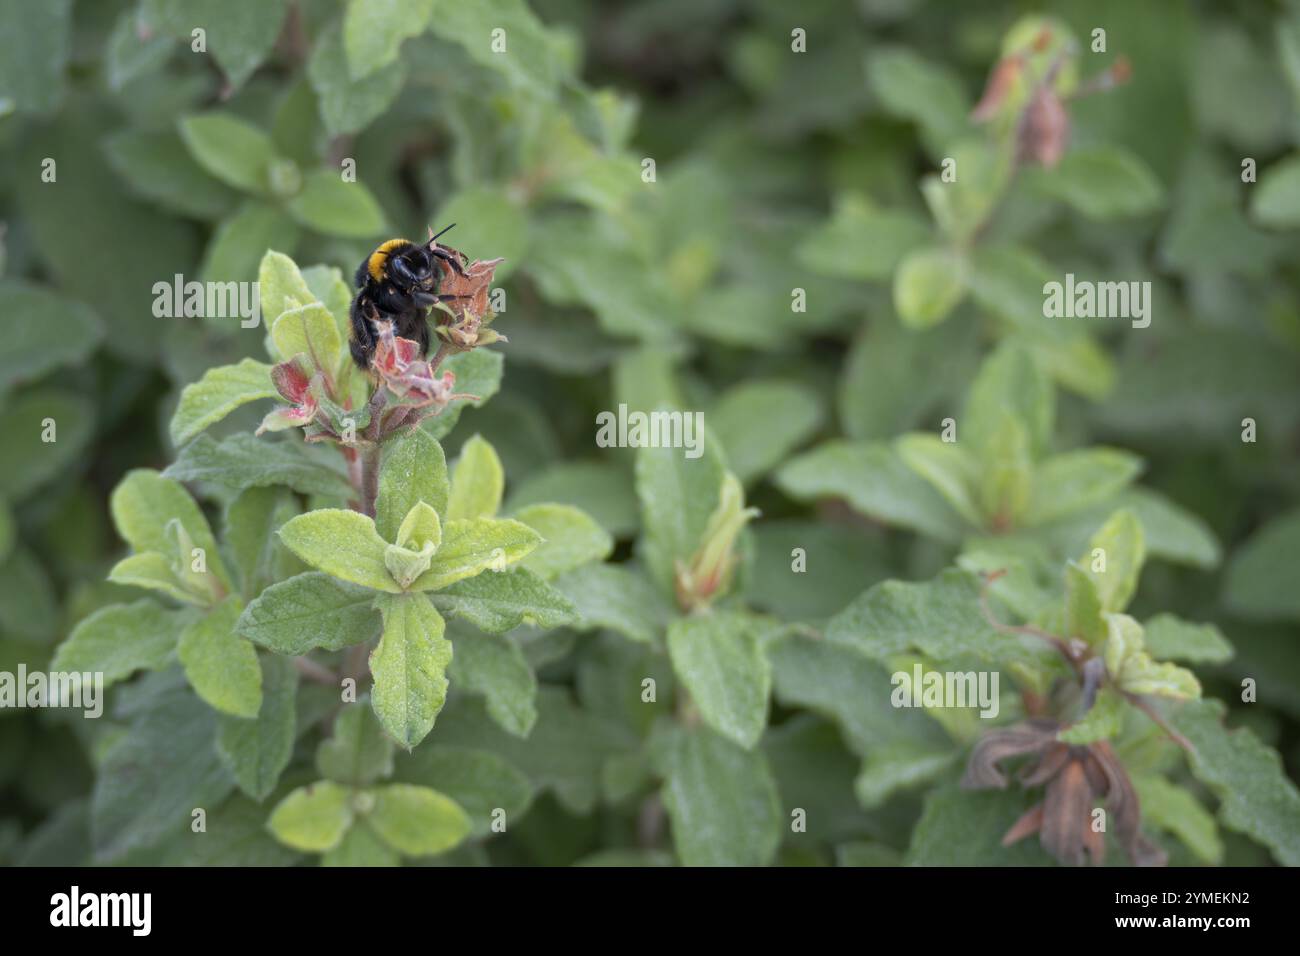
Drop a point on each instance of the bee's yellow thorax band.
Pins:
(375, 264)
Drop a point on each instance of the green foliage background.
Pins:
(774, 171)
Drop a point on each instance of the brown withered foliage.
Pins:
(1075, 779)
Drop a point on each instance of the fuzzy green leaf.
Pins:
(722, 801)
(121, 639)
(477, 481)
(217, 394)
(502, 601)
(308, 611)
(342, 543)
(409, 666)
(413, 469)
(313, 818)
(571, 538)
(1246, 775)
(220, 665)
(470, 547)
(493, 665)
(417, 821)
(257, 750)
(359, 753)
(718, 658)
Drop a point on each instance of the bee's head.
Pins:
(412, 268)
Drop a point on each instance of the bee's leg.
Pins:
(448, 258)
(362, 341)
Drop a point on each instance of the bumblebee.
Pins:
(398, 283)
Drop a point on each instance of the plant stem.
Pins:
(369, 479)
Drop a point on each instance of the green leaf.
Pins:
(926, 93)
(874, 481)
(1261, 578)
(963, 207)
(478, 372)
(1114, 559)
(1168, 807)
(127, 55)
(942, 618)
(358, 754)
(158, 167)
(28, 609)
(409, 666)
(142, 505)
(45, 431)
(1133, 670)
(477, 481)
(308, 329)
(313, 818)
(240, 36)
(413, 469)
(281, 286)
(151, 778)
(217, 394)
(34, 47)
(1084, 616)
(1246, 775)
(493, 665)
(231, 254)
(251, 521)
(256, 751)
(1076, 479)
(965, 828)
(243, 461)
(361, 846)
(342, 543)
(335, 207)
(862, 241)
(564, 753)
(308, 611)
(348, 105)
(602, 490)
(502, 601)
(616, 597)
(1105, 719)
(373, 31)
(928, 285)
(718, 658)
(45, 330)
(491, 222)
(121, 639)
(154, 572)
(1103, 183)
(947, 468)
(1170, 638)
(570, 539)
(722, 802)
(231, 149)
(469, 547)
(842, 684)
(418, 821)
(1009, 384)
(534, 58)
(220, 665)
(478, 780)
(678, 495)
(1275, 202)
(760, 422)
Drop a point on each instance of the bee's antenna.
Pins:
(433, 237)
